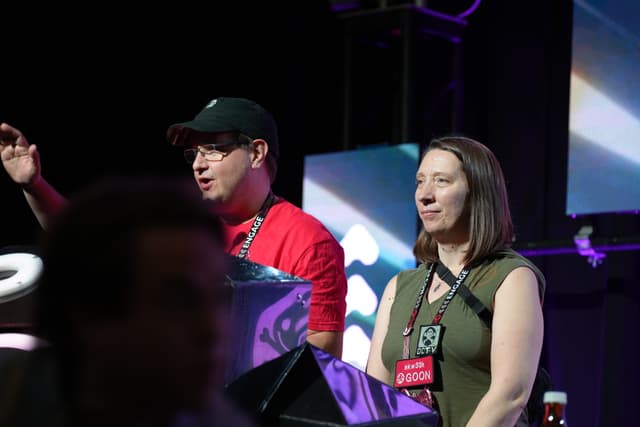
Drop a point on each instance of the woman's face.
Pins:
(441, 197)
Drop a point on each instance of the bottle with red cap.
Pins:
(554, 405)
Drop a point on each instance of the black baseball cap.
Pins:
(228, 115)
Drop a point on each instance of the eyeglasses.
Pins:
(214, 152)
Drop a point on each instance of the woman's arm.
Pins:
(375, 367)
(516, 344)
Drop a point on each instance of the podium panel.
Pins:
(309, 387)
(269, 312)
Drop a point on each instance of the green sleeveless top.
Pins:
(462, 369)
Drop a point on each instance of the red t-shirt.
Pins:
(295, 242)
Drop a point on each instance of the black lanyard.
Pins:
(257, 223)
(443, 307)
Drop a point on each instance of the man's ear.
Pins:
(259, 152)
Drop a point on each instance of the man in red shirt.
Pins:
(233, 147)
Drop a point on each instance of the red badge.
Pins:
(413, 372)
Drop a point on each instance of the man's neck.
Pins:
(248, 212)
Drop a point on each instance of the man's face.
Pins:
(222, 180)
(170, 347)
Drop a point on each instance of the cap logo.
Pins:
(211, 103)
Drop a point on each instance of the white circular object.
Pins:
(20, 341)
(27, 267)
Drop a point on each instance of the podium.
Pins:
(269, 314)
(309, 387)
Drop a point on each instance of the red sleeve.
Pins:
(323, 265)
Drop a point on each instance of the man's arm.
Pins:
(329, 341)
(323, 265)
(44, 200)
(21, 160)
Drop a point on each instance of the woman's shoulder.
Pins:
(510, 259)
(507, 260)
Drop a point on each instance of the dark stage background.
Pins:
(96, 91)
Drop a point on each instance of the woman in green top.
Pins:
(476, 376)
